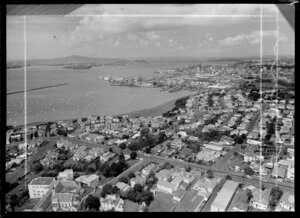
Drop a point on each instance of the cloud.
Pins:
(252, 38)
(143, 42)
(132, 37)
(157, 44)
(172, 43)
(117, 43)
(152, 35)
(209, 37)
(125, 19)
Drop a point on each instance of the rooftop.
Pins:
(63, 197)
(261, 196)
(190, 202)
(42, 181)
(224, 196)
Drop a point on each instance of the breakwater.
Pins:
(39, 88)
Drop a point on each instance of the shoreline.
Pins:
(153, 111)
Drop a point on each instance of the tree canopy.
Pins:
(92, 203)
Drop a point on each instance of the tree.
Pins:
(168, 145)
(254, 96)
(235, 153)
(134, 146)
(144, 132)
(167, 166)
(62, 157)
(133, 155)
(123, 179)
(76, 175)
(13, 201)
(92, 202)
(110, 150)
(180, 103)
(248, 171)
(125, 136)
(131, 175)
(37, 167)
(147, 150)
(161, 136)
(14, 165)
(188, 168)
(92, 168)
(238, 140)
(106, 190)
(275, 196)
(122, 146)
(131, 195)
(115, 190)
(181, 122)
(249, 195)
(210, 174)
(121, 157)
(137, 187)
(228, 177)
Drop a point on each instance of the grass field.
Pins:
(239, 201)
(162, 203)
(29, 204)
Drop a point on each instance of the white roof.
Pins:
(213, 147)
(91, 178)
(225, 195)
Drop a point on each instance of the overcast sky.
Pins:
(140, 31)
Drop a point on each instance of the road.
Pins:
(255, 117)
(19, 172)
(254, 181)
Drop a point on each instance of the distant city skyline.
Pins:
(149, 31)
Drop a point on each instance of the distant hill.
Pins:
(74, 61)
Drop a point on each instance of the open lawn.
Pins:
(191, 202)
(162, 202)
(29, 204)
(236, 161)
(239, 201)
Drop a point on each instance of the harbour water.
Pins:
(84, 94)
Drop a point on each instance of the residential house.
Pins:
(279, 171)
(89, 180)
(249, 156)
(107, 156)
(64, 201)
(124, 188)
(260, 199)
(205, 185)
(290, 173)
(166, 186)
(149, 168)
(137, 180)
(287, 202)
(191, 202)
(164, 175)
(177, 180)
(130, 206)
(112, 203)
(213, 146)
(67, 174)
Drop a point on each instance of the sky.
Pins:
(145, 31)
